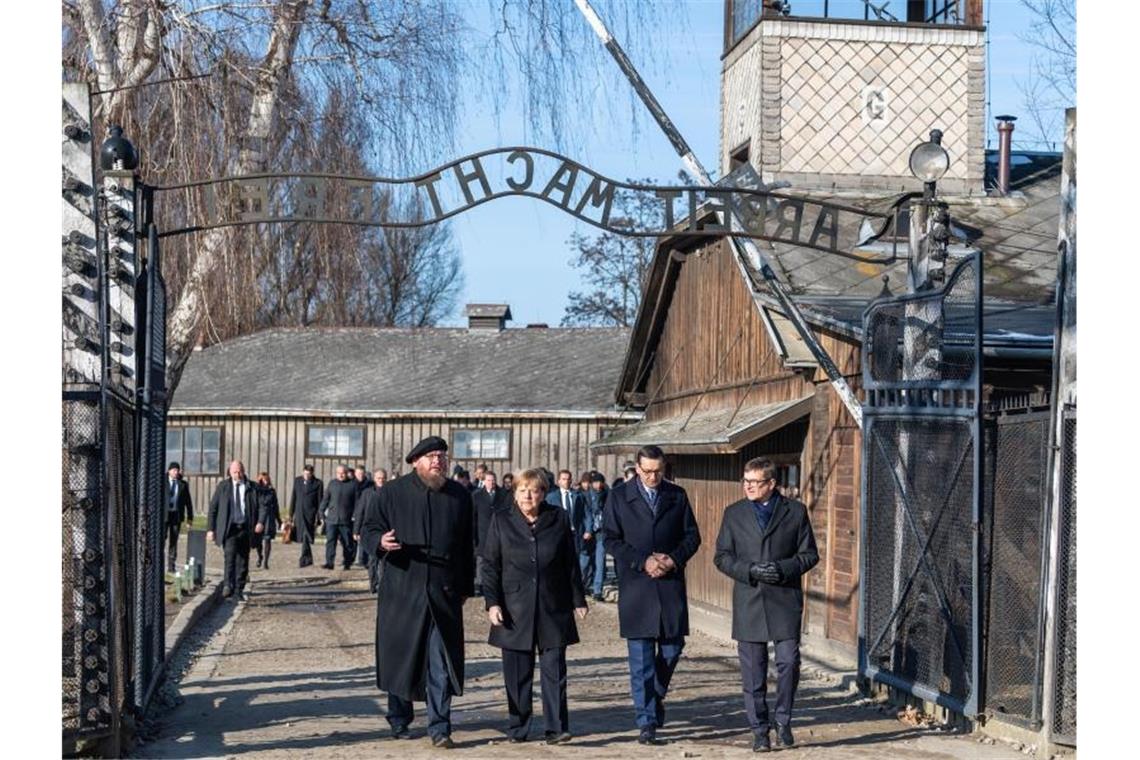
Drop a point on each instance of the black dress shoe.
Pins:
(599, 598)
(784, 735)
(400, 732)
(518, 739)
(442, 741)
(555, 738)
(761, 742)
(227, 592)
(259, 563)
(327, 566)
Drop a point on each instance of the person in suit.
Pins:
(362, 480)
(232, 524)
(651, 533)
(337, 508)
(766, 545)
(268, 515)
(595, 510)
(533, 588)
(574, 504)
(371, 561)
(420, 525)
(487, 500)
(304, 509)
(178, 506)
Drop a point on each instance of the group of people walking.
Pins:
(430, 536)
(432, 543)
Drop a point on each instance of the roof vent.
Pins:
(487, 316)
(537, 326)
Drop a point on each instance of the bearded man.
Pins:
(420, 527)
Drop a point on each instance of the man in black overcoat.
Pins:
(232, 523)
(765, 545)
(420, 525)
(304, 506)
(487, 499)
(651, 532)
(178, 506)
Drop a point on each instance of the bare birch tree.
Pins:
(1051, 86)
(231, 84)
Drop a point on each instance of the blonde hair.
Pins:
(531, 476)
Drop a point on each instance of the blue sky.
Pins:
(515, 250)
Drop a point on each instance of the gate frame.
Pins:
(901, 409)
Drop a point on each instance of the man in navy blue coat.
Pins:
(651, 532)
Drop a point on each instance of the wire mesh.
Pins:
(1018, 493)
(919, 573)
(1065, 686)
(85, 653)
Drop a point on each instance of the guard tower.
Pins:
(835, 94)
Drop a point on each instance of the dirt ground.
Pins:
(290, 673)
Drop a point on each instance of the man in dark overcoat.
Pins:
(765, 545)
(304, 506)
(232, 523)
(420, 525)
(651, 532)
(337, 508)
(487, 500)
(178, 506)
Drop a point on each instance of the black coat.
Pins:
(339, 503)
(183, 506)
(486, 504)
(650, 607)
(307, 499)
(221, 506)
(269, 511)
(362, 487)
(761, 611)
(534, 577)
(426, 579)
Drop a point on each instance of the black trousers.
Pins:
(439, 691)
(518, 676)
(754, 676)
(309, 528)
(173, 527)
(236, 548)
(343, 533)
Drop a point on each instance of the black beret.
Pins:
(597, 477)
(174, 466)
(427, 445)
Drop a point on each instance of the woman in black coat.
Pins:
(268, 515)
(532, 584)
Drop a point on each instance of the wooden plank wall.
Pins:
(711, 305)
(277, 445)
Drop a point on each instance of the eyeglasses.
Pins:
(439, 455)
(756, 481)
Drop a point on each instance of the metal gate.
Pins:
(1017, 493)
(920, 592)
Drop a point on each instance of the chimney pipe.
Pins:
(1005, 141)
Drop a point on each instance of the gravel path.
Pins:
(290, 672)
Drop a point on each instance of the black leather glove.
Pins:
(765, 572)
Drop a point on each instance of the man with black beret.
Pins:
(420, 527)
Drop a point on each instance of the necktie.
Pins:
(237, 501)
(173, 493)
(652, 494)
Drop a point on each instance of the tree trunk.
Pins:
(273, 73)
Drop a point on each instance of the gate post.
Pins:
(94, 644)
